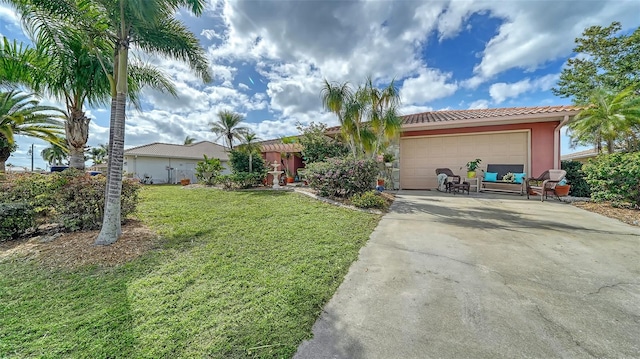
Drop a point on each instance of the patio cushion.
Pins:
(490, 176)
(519, 177)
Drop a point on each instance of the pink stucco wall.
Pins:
(542, 141)
(294, 162)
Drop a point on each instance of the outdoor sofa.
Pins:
(492, 179)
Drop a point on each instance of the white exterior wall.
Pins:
(164, 170)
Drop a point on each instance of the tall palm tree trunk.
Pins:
(111, 222)
(4, 156)
(77, 131)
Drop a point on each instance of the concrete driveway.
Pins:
(461, 276)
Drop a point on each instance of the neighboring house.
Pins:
(526, 135)
(169, 163)
(581, 156)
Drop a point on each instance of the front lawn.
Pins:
(236, 275)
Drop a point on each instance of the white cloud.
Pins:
(211, 34)
(411, 109)
(8, 15)
(532, 33)
(430, 84)
(502, 91)
(479, 104)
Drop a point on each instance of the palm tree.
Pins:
(71, 69)
(15, 62)
(152, 26)
(54, 154)
(21, 114)
(189, 140)
(340, 99)
(97, 154)
(228, 126)
(368, 116)
(250, 145)
(608, 118)
(382, 114)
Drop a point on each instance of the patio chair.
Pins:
(545, 183)
(454, 182)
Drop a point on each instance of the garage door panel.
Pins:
(419, 157)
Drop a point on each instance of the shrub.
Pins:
(37, 190)
(576, 178)
(81, 202)
(316, 146)
(339, 177)
(240, 162)
(369, 199)
(15, 219)
(240, 180)
(70, 197)
(208, 170)
(615, 178)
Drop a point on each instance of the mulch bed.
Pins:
(626, 215)
(76, 249)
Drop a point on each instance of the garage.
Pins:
(421, 155)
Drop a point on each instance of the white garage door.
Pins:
(419, 157)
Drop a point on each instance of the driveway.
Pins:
(485, 276)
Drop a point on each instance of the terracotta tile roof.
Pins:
(455, 115)
(480, 114)
(193, 151)
(281, 147)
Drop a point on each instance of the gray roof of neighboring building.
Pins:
(579, 155)
(169, 150)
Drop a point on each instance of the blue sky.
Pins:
(269, 58)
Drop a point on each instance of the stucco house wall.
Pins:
(169, 163)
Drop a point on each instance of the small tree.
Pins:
(240, 162)
(250, 146)
(317, 146)
(207, 171)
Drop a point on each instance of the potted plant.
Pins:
(472, 166)
(562, 189)
(289, 174)
(388, 159)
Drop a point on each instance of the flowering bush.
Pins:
(339, 177)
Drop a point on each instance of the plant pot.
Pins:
(185, 181)
(290, 180)
(380, 182)
(562, 190)
(471, 174)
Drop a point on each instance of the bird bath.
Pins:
(276, 174)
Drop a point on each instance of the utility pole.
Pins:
(32, 157)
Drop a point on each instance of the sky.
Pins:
(269, 60)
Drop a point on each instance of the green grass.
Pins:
(238, 274)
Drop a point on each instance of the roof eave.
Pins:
(490, 121)
(175, 157)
